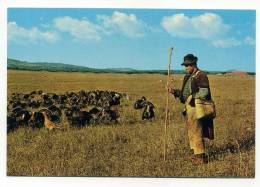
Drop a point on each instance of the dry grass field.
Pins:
(134, 147)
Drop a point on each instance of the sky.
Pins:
(133, 38)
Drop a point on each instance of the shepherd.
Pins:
(195, 86)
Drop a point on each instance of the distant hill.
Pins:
(44, 66)
(60, 67)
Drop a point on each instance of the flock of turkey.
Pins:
(46, 110)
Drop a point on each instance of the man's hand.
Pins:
(175, 92)
(169, 89)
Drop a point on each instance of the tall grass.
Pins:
(134, 147)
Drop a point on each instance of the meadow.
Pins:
(134, 148)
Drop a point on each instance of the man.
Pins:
(195, 85)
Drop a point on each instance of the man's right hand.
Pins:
(176, 93)
(169, 89)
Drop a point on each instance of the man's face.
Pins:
(189, 68)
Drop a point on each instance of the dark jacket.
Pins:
(200, 80)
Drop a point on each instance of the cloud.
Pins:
(34, 35)
(224, 43)
(249, 40)
(79, 29)
(231, 42)
(118, 22)
(205, 26)
(208, 26)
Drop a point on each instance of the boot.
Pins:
(199, 158)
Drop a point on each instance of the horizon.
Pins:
(223, 71)
(133, 38)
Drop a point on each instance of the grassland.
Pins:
(134, 147)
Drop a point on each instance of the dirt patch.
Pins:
(237, 73)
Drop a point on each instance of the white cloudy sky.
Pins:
(138, 39)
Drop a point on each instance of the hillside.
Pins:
(23, 65)
(60, 67)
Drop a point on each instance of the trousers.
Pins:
(195, 132)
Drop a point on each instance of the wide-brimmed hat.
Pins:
(189, 59)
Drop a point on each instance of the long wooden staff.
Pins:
(167, 118)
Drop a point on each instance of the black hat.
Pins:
(189, 59)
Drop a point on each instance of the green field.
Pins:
(134, 147)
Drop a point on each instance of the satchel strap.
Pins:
(197, 72)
